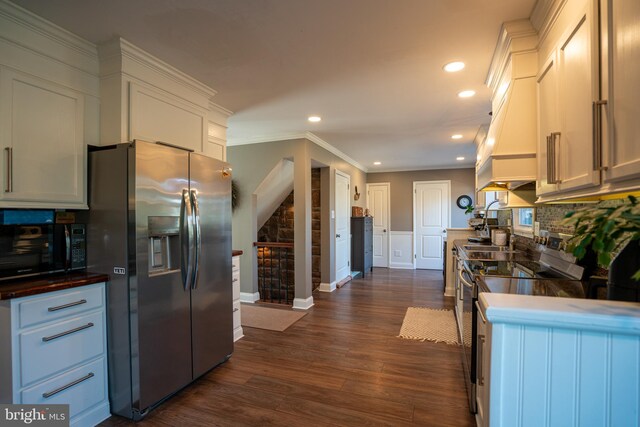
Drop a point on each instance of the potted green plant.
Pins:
(612, 233)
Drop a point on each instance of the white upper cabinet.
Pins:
(145, 98)
(621, 90)
(567, 89)
(43, 143)
(548, 123)
(588, 127)
(49, 112)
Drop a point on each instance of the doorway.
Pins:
(378, 205)
(343, 226)
(431, 218)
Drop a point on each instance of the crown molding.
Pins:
(544, 15)
(119, 48)
(515, 37)
(219, 109)
(299, 135)
(86, 59)
(433, 168)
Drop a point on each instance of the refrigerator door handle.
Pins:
(186, 239)
(198, 238)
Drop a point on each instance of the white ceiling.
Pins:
(371, 68)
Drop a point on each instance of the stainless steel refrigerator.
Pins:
(160, 226)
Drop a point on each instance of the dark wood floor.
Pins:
(341, 364)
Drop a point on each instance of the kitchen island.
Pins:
(557, 361)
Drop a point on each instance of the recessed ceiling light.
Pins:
(452, 67)
(314, 119)
(377, 163)
(456, 136)
(459, 158)
(467, 93)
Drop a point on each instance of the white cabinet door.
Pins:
(42, 137)
(578, 83)
(547, 124)
(483, 366)
(621, 89)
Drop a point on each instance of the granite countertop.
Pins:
(39, 285)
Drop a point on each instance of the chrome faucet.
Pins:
(486, 215)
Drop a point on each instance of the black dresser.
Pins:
(362, 244)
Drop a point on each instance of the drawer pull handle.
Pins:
(235, 309)
(71, 304)
(70, 331)
(64, 387)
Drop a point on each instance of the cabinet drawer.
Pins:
(60, 304)
(236, 314)
(235, 284)
(55, 348)
(235, 263)
(85, 387)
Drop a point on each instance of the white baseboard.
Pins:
(401, 265)
(238, 333)
(249, 297)
(303, 304)
(327, 287)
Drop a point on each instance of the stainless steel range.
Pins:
(496, 269)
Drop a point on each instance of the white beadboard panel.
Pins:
(535, 367)
(592, 387)
(626, 376)
(156, 116)
(562, 397)
(505, 392)
(401, 249)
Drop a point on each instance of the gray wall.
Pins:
(251, 163)
(401, 193)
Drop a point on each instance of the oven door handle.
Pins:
(462, 279)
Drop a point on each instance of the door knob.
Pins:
(337, 236)
(384, 231)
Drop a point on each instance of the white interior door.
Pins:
(378, 205)
(430, 220)
(343, 227)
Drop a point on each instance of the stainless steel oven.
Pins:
(466, 296)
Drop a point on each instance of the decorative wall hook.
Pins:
(357, 195)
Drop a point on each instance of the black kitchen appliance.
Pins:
(32, 244)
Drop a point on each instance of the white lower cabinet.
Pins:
(546, 361)
(57, 352)
(237, 326)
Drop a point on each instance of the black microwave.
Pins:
(32, 244)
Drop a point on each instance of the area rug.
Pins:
(272, 319)
(426, 324)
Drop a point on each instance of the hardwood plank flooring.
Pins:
(340, 365)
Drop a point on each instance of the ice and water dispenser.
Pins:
(164, 244)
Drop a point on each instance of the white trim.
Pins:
(119, 47)
(249, 297)
(303, 304)
(289, 136)
(402, 265)
(327, 287)
(48, 29)
(393, 245)
(335, 203)
(238, 333)
(415, 234)
(458, 165)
